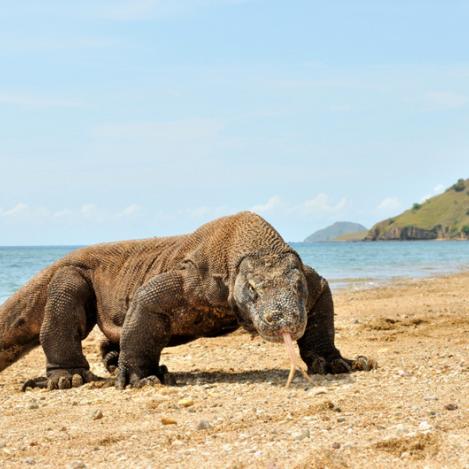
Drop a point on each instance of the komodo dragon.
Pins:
(147, 294)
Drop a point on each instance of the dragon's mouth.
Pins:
(278, 335)
(272, 338)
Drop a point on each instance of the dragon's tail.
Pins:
(21, 318)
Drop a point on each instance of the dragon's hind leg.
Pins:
(68, 318)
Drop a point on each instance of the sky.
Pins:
(128, 119)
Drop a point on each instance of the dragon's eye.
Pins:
(252, 291)
(299, 286)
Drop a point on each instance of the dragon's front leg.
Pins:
(317, 348)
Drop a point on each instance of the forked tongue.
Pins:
(294, 361)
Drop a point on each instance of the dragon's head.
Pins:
(270, 293)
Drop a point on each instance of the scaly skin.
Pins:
(148, 294)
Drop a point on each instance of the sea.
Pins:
(355, 265)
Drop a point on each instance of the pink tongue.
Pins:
(289, 345)
(294, 363)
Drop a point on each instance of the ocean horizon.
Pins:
(345, 264)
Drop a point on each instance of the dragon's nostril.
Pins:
(269, 318)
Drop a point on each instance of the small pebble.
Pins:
(341, 419)
(451, 406)
(400, 427)
(185, 402)
(97, 415)
(203, 425)
(168, 421)
(336, 445)
(77, 465)
(301, 435)
(30, 461)
(33, 405)
(424, 425)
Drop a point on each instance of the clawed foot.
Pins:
(339, 365)
(133, 379)
(62, 379)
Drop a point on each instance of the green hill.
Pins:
(332, 232)
(445, 216)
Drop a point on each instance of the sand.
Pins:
(231, 408)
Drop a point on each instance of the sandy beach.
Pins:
(231, 408)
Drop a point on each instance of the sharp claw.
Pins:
(51, 385)
(133, 380)
(40, 382)
(77, 380)
(62, 379)
(362, 363)
(64, 383)
(318, 366)
(340, 365)
(147, 381)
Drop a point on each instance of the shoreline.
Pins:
(370, 283)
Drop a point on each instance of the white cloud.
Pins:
(22, 211)
(130, 211)
(63, 213)
(438, 189)
(37, 102)
(388, 204)
(273, 203)
(321, 203)
(89, 210)
(18, 209)
(447, 100)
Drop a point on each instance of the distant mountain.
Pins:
(338, 229)
(445, 216)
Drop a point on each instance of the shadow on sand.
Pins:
(273, 376)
